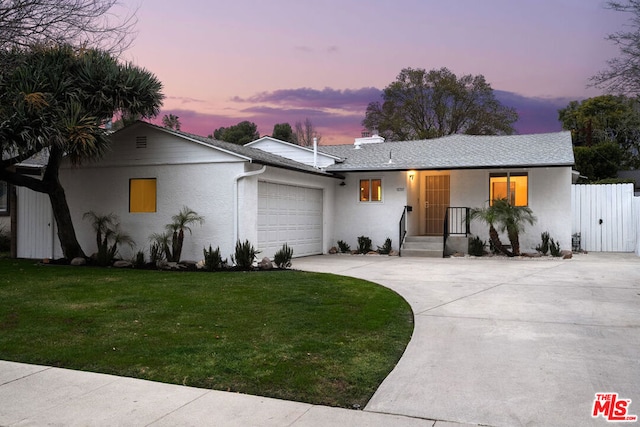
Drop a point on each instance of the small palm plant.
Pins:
(489, 216)
(503, 216)
(513, 219)
(181, 222)
(108, 236)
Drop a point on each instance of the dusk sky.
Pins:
(279, 61)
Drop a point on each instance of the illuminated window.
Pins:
(4, 198)
(370, 190)
(511, 186)
(142, 195)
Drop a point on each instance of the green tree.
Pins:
(623, 73)
(171, 121)
(598, 162)
(603, 120)
(57, 100)
(430, 104)
(181, 222)
(242, 133)
(283, 132)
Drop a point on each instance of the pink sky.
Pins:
(278, 61)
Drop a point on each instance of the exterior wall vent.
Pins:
(141, 142)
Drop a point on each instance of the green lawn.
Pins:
(310, 337)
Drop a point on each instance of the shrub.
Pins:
(477, 246)
(554, 247)
(212, 259)
(364, 244)
(139, 260)
(543, 248)
(344, 248)
(386, 248)
(244, 256)
(5, 240)
(282, 258)
(155, 252)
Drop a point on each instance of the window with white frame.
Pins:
(371, 190)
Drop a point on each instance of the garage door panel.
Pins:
(289, 214)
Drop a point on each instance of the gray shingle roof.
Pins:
(457, 152)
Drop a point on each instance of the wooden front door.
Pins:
(436, 196)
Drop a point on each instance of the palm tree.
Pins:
(505, 217)
(181, 222)
(489, 215)
(171, 121)
(512, 219)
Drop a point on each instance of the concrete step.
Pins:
(421, 253)
(422, 246)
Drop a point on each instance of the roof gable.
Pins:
(293, 152)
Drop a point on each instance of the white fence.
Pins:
(607, 217)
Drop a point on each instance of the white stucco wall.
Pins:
(376, 220)
(549, 199)
(204, 188)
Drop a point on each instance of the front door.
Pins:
(436, 196)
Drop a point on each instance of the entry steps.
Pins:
(422, 246)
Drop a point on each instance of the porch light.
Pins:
(412, 175)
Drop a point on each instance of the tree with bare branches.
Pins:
(103, 24)
(623, 74)
(305, 132)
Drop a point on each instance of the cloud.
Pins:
(327, 98)
(337, 114)
(536, 115)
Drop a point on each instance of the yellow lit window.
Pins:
(511, 186)
(370, 190)
(142, 195)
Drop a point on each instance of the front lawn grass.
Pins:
(309, 337)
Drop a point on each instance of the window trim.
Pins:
(508, 175)
(370, 181)
(155, 207)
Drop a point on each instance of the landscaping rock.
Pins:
(372, 253)
(393, 253)
(333, 250)
(567, 254)
(78, 261)
(122, 264)
(457, 255)
(265, 264)
(201, 264)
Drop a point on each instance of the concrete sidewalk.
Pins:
(497, 342)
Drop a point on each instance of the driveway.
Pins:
(508, 342)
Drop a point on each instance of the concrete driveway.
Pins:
(508, 342)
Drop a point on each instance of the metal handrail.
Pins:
(403, 230)
(459, 217)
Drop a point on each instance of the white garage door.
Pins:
(289, 214)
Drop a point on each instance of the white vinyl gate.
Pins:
(289, 214)
(606, 217)
(35, 225)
